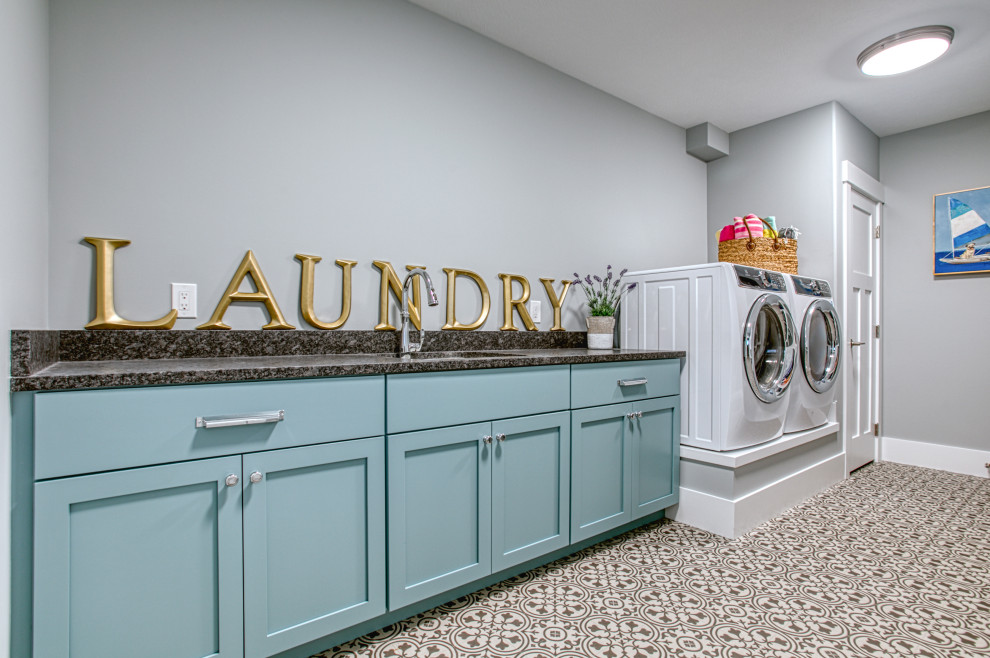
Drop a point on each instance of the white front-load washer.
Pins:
(736, 328)
(819, 350)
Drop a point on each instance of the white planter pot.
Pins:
(600, 332)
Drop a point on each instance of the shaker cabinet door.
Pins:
(601, 467)
(656, 455)
(314, 542)
(439, 511)
(141, 562)
(531, 475)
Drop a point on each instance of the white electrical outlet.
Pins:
(534, 310)
(184, 299)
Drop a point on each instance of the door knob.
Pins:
(500, 437)
(487, 439)
(231, 480)
(256, 477)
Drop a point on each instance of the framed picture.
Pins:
(960, 232)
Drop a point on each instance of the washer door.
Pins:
(820, 345)
(769, 348)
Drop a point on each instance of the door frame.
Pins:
(854, 178)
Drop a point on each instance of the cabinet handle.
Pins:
(210, 422)
(231, 480)
(500, 437)
(634, 382)
(631, 415)
(487, 439)
(639, 414)
(256, 477)
(855, 343)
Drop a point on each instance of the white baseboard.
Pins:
(733, 518)
(965, 461)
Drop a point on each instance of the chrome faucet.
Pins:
(407, 348)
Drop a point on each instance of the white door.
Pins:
(862, 208)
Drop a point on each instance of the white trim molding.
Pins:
(862, 181)
(965, 461)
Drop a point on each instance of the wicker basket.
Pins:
(765, 253)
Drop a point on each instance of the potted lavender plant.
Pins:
(604, 295)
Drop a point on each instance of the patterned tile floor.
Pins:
(894, 561)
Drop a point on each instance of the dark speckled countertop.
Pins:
(73, 359)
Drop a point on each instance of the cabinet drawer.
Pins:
(437, 399)
(598, 383)
(88, 431)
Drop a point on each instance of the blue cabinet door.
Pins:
(314, 542)
(601, 469)
(530, 487)
(142, 562)
(656, 455)
(439, 511)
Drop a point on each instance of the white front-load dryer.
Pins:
(735, 325)
(819, 351)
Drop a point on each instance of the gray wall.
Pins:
(854, 142)
(782, 168)
(935, 329)
(352, 129)
(23, 216)
(789, 168)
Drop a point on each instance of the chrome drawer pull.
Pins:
(633, 382)
(210, 422)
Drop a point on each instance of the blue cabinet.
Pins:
(149, 560)
(155, 535)
(470, 500)
(656, 457)
(601, 474)
(625, 463)
(439, 510)
(248, 554)
(139, 562)
(531, 480)
(314, 542)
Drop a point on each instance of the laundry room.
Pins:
(301, 308)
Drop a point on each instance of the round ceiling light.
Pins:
(905, 51)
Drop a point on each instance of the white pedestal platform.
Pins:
(729, 493)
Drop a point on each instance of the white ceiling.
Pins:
(737, 63)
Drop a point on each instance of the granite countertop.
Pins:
(71, 359)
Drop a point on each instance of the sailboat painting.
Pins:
(961, 233)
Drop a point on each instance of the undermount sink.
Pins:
(433, 356)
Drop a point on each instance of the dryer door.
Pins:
(769, 348)
(820, 345)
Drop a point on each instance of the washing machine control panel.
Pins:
(811, 287)
(752, 277)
